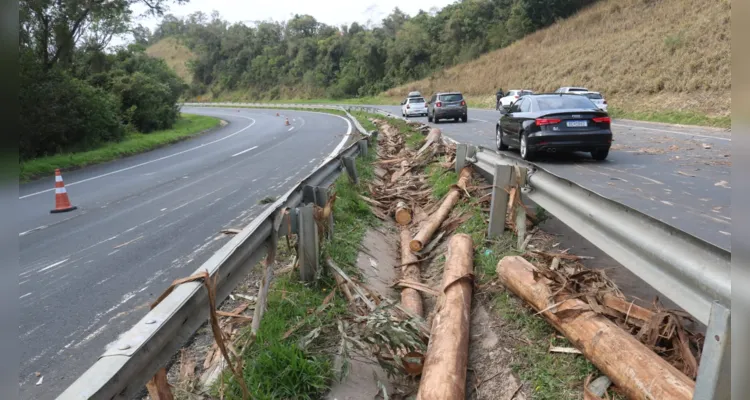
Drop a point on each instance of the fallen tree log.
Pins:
(436, 219)
(410, 298)
(636, 370)
(432, 137)
(444, 373)
(403, 214)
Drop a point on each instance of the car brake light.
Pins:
(463, 103)
(547, 121)
(606, 120)
(408, 106)
(516, 96)
(604, 101)
(438, 104)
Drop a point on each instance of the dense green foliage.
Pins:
(303, 57)
(75, 93)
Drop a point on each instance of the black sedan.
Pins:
(550, 123)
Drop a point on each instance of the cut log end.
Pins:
(415, 245)
(403, 214)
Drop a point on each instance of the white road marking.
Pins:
(725, 233)
(676, 132)
(53, 265)
(245, 151)
(32, 230)
(290, 129)
(147, 162)
(26, 295)
(480, 120)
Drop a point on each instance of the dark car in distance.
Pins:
(539, 123)
(447, 105)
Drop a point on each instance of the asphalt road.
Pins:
(142, 222)
(677, 174)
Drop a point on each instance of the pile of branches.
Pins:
(665, 331)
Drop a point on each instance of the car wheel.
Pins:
(464, 118)
(526, 153)
(435, 119)
(499, 139)
(600, 154)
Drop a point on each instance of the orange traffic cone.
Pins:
(62, 203)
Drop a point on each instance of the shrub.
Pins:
(60, 113)
(149, 103)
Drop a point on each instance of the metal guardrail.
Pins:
(694, 274)
(130, 361)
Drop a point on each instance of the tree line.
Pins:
(76, 92)
(303, 57)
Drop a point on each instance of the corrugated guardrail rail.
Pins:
(689, 271)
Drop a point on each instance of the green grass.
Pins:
(278, 368)
(187, 126)
(441, 180)
(673, 117)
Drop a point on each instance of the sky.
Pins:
(331, 12)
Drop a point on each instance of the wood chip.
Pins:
(566, 350)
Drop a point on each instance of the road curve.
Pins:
(142, 222)
(679, 175)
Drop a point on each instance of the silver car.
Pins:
(447, 105)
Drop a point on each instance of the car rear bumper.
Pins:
(450, 113)
(588, 141)
(416, 112)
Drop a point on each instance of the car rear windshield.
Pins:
(525, 92)
(575, 89)
(547, 103)
(451, 97)
(416, 100)
(595, 96)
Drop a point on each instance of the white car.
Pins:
(597, 99)
(571, 89)
(413, 106)
(512, 96)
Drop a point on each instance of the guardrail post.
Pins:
(307, 243)
(714, 373)
(502, 177)
(321, 198)
(362, 147)
(374, 136)
(351, 169)
(462, 151)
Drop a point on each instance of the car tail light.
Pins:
(604, 101)
(408, 106)
(516, 96)
(463, 103)
(547, 121)
(605, 120)
(438, 104)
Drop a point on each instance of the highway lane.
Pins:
(679, 175)
(88, 275)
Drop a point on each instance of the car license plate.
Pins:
(577, 124)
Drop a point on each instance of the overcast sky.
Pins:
(331, 12)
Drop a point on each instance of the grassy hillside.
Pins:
(646, 56)
(175, 54)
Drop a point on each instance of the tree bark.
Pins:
(444, 374)
(636, 370)
(410, 298)
(436, 219)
